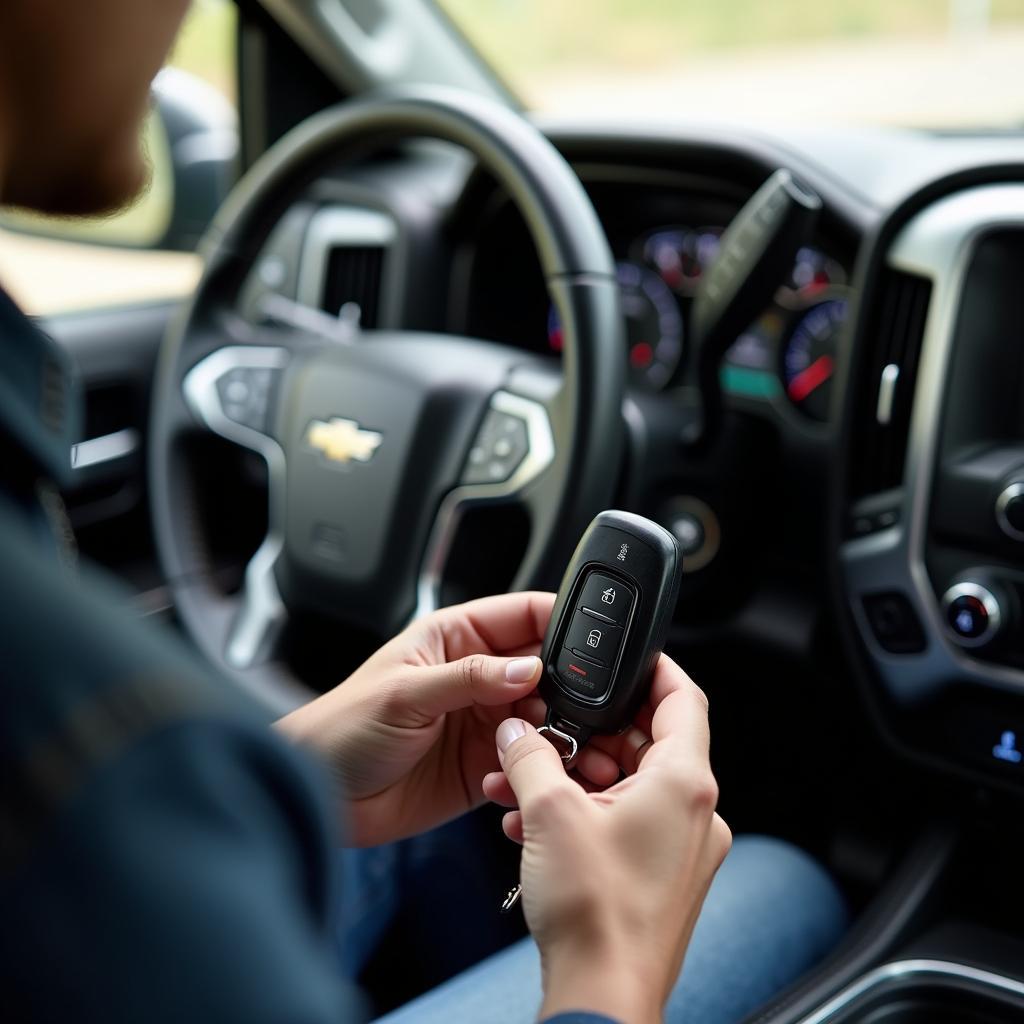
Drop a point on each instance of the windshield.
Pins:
(956, 64)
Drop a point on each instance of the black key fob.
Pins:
(608, 627)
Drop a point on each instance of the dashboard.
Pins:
(665, 235)
(860, 487)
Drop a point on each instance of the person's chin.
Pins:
(86, 187)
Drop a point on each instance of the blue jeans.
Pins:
(771, 914)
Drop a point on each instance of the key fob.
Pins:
(608, 627)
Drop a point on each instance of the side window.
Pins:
(146, 252)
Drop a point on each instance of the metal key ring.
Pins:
(568, 758)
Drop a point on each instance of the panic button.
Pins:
(609, 598)
(581, 676)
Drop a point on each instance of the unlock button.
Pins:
(593, 638)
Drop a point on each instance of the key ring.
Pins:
(568, 756)
(573, 748)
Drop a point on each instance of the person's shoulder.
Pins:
(87, 687)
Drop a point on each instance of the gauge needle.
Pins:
(810, 379)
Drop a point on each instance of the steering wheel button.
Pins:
(500, 447)
(607, 596)
(581, 676)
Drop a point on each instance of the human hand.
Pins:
(410, 734)
(613, 880)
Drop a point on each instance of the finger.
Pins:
(597, 767)
(497, 789)
(668, 678)
(476, 679)
(531, 764)
(512, 826)
(681, 734)
(504, 623)
(533, 709)
(616, 746)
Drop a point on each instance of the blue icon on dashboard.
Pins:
(1006, 749)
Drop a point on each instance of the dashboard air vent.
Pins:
(354, 274)
(882, 424)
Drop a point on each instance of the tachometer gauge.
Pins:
(809, 356)
(654, 326)
(814, 273)
(682, 255)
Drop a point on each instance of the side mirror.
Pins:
(192, 142)
(201, 129)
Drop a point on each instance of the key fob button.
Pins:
(594, 638)
(582, 677)
(609, 598)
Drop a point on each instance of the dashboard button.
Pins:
(582, 677)
(973, 614)
(894, 623)
(593, 638)
(1010, 511)
(608, 597)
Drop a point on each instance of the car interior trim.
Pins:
(938, 243)
(916, 970)
(109, 448)
(539, 456)
(262, 612)
(338, 227)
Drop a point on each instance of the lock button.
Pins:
(609, 598)
(593, 638)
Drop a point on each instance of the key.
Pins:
(608, 627)
(606, 633)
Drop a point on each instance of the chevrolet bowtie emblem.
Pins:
(342, 440)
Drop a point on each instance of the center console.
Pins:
(932, 557)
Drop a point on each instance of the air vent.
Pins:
(354, 274)
(344, 259)
(882, 423)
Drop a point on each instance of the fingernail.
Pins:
(509, 731)
(520, 670)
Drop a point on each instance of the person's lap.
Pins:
(772, 913)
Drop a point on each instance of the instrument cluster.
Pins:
(790, 351)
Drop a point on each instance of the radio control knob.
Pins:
(1010, 510)
(973, 613)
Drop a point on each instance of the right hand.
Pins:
(613, 880)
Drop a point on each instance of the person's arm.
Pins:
(184, 879)
(613, 880)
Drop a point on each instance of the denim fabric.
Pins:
(771, 914)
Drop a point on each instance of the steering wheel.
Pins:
(376, 444)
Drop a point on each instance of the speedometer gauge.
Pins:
(682, 255)
(809, 356)
(654, 326)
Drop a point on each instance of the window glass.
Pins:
(927, 63)
(57, 266)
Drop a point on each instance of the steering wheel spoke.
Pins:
(512, 451)
(389, 436)
(232, 393)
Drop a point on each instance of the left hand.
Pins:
(410, 734)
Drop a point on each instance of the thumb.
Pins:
(476, 679)
(531, 764)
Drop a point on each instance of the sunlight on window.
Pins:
(929, 63)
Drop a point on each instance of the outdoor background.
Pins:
(956, 64)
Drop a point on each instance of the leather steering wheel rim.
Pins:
(579, 273)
